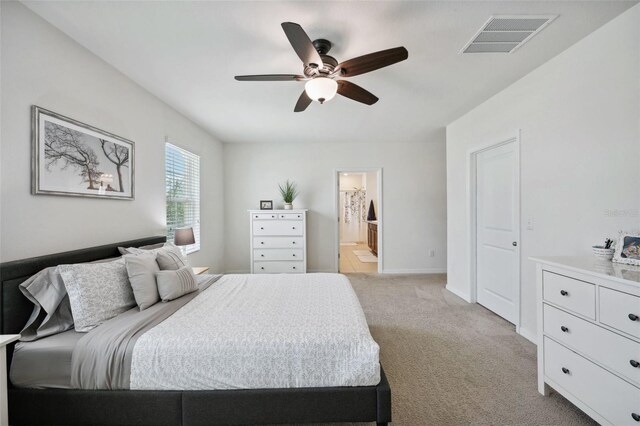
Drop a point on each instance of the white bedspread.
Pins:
(261, 331)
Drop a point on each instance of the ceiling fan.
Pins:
(321, 71)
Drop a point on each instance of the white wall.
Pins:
(579, 116)
(414, 197)
(42, 66)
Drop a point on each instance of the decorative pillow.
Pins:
(166, 248)
(52, 311)
(173, 284)
(97, 292)
(170, 260)
(141, 270)
(127, 250)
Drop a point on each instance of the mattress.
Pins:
(241, 332)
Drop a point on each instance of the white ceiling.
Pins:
(187, 53)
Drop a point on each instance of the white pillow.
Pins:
(97, 292)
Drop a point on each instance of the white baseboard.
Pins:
(528, 335)
(458, 293)
(415, 271)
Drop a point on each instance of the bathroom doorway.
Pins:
(359, 220)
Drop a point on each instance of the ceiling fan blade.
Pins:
(303, 102)
(355, 92)
(372, 61)
(301, 43)
(269, 77)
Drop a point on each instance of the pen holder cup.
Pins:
(603, 253)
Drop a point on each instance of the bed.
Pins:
(250, 399)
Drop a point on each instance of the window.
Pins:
(182, 180)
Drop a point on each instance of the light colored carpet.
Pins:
(362, 252)
(452, 363)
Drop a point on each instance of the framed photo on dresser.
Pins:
(266, 204)
(75, 159)
(628, 248)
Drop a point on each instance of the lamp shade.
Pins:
(184, 237)
(321, 89)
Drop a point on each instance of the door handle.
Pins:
(515, 243)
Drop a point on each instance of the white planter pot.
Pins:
(288, 206)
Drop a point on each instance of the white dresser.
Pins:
(589, 336)
(278, 241)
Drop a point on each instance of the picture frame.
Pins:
(72, 158)
(266, 204)
(628, 248)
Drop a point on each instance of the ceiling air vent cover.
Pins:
(505, 34)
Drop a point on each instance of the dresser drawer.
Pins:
(278, 227)
(290, 216)
(606, 347)
(574, 295)
(277, 267)
(278, 254)
(620, 311)
(278, 242)
(608, 395)
(264, 216)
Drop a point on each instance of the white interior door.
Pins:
(497, 230)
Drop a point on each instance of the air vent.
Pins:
(505, 34)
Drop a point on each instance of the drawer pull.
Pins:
(634, 363)
(262, 267)
(293, 242)
(294, 255)
(293, 227)
(261, 242)
(633, 317)
(564, 292)
(272, 216)
(635, 417)
(565, 329)
(262, 255)
(294, 267)
(261, 228)
(565, 370)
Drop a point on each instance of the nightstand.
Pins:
(5, 339)
(200, 270)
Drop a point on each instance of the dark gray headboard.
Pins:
(15, 309)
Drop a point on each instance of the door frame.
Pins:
(379, 213)
(472, 158)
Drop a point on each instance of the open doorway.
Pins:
(359, 221)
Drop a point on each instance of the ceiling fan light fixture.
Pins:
(321, 89)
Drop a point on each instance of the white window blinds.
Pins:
(182, 172)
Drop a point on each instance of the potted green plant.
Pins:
(289, 192)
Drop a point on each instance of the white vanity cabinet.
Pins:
(589, 336)
(278, 241)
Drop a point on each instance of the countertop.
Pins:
(594, 266)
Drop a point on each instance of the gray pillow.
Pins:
(97, 292)
(52, 311)
(141, 270)
(170, 260)
(173, 284)
(51, 308)
(127, 250)
(166, 263)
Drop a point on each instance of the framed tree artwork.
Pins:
(73, 158)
